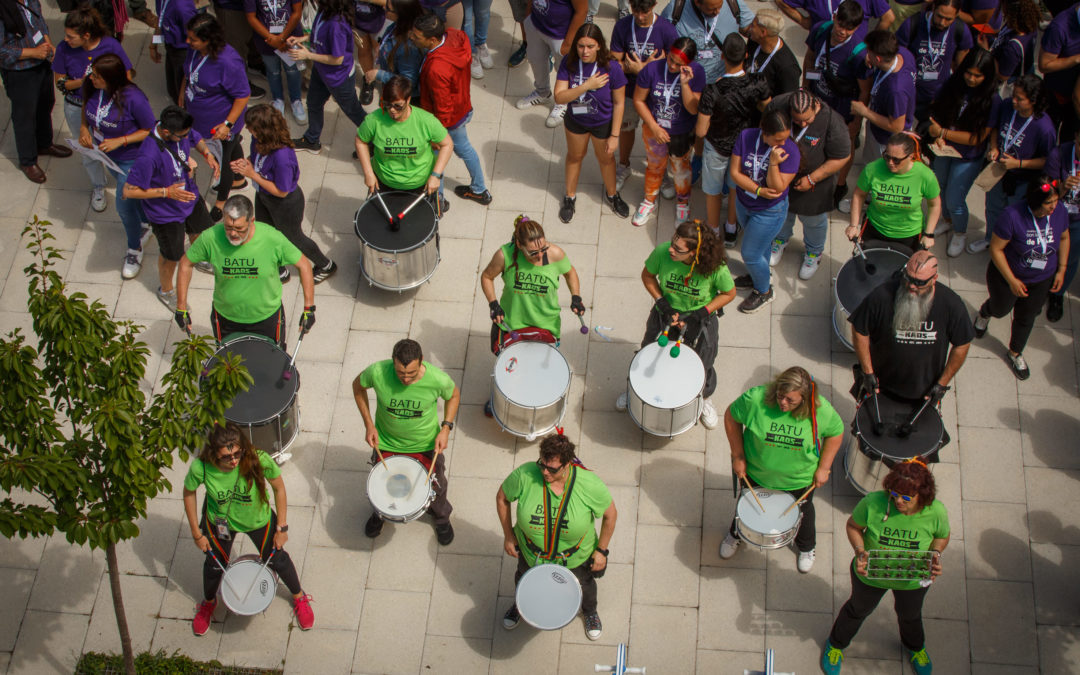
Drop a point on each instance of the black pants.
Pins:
(174, 71)
(272, 326)
(871, 233)
(704, 340)
(31, 94)
(440, 508)
(263, 537)
(864, 598)
(584, 575)
(230, 151)
(1024, 310)
(806, 537)
(286, 215)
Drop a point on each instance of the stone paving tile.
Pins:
(390, 651)
(524, 644)
(463, 596)
(732, 610)
(1045, 423)
(997, 544)
(68, 578)
(666, 565)
(1002, 622)
(336, 579)
(142, 600)
(664, 638)
(1053, 497)
(788, 589)
(671, 488)
(49, 642)
(320, 650)
(1055, 597)
(455, 655)
(1059, 648)
(18, 582)
(992, 468)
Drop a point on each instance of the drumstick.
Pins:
(381, 458)
(256, 579)
(870, 267)
(584, 328)
(401, 216)
(905, 428)
(799, 500)
(506, 329)
(385, 208)
(428, 480)
(663, 339)
(675, 350)
(879, 426)
(751, 488)
(287, 373)
(224, 577)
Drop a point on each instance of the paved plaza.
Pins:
(1007, 603)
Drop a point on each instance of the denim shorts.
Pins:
(714, 171)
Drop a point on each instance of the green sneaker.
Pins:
(831, 660)
(920, 662)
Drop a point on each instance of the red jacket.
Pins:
(445, 79)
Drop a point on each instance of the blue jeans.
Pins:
(317, 96)
(759, 229)
(956, 176)
(476, 21)
(274, 66)
(1074, 257)
(465, 150)
(129, 210)
(815, 230)
(94, 169)
(997, 200)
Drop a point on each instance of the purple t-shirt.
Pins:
(976, 151)
(274, 14)
(934, 51)
(597, 106)
(755, 157)
(841, 62)
(627, 37)
(1032, 251)
(665, 95)
(279, 167)
(1023, 138)
(334, 38)
(892, 95)
(75, 62)
(552, 17)
(156, 167)
(212, 86)
(1014, 54)
(823, 10)
(107, 119)
(1062, 162)
(368, 17)
(173, 16)
(1062, 37)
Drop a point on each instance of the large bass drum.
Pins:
(853, 283)
(870, 456)
(402, 257)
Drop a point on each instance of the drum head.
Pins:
(770, 522)
(248, 587)
(548, 596)
(853, 284)
(925, 436)
(371, 224)
(390, 487)
(532, 374)
(663, 381)
(270, 393)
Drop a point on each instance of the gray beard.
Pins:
(910, 310)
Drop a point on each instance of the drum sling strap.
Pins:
(206, 513)
(552, 528)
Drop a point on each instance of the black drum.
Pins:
(268, 411)
(853, 283)
(869, 459)
(400, 257)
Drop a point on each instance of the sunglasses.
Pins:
(894, 160)
(231, 456)
(897, 495)
(396, 107)
(680, 251)
(549, 469)
(917, 283)
(537, 252)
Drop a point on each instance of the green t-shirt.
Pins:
(247, 288)
(700, 289)
(588, 501)
(402, 157)
(530, 294)
(780, 452)
(248, 510)
(406, 417)
(894, 204)
(910, 533)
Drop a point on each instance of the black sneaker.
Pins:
(518, 57)
(566, 211)
(257, 92)
(838, 194)
(982, 323)
(488, 410)
(465, 192)
(744, 281)
(756, 301)
(593, 627)
(1019, 366)
(304, 144)
(1055, 307)
(730, 238)
(444, 205)
(367, 92)
(373, 526)
(284, 274)
(512, 618)
(324, 273)
(618, 206)
(444, 534)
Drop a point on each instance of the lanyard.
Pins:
(273, 6)
(581, 76)
(1010, 136)
(174, 158)
(819, 62)
(759, 160)
(260, 160)
(963, 107)
(103, 109)
(881, 77)
(738, 74)
(799, 137)
(644, 43)
(710, 27)
(319, 21)
(193, 77)
(758, 69)
(669, 88)
(930, 42)
(1043, 238)
(164, 7)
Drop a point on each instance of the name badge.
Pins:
(158, 39)
(811, 75)
(664, 123)
(704, 54)
(1073, 209)
(1038, 263)
(189, 93)
(277, 30)
(579, 109)
(930, 76)
(38, 37)
(98, 136)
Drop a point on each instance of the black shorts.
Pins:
(603, 131)
(170, 236)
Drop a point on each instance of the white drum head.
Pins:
(770, 522)
(391, 490)
(532, 374)
(246, 576)
(663, 381)
(548, 596)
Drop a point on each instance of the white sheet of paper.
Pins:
(94, 153)
(944, 150)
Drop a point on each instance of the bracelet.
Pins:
(436, 174)
(164, 192)
(125, 140)
(927, 234)
(812, 183)
(757, 192)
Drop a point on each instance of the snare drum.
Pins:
(529, 388)
(853, 284)
(399, 259)
(548, 596)
(248, 586)
(398, 490)
(868, 460)
(664, 392)
(268, 411)
(770, 529)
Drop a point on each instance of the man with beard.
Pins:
(911, 335)
(246, 256)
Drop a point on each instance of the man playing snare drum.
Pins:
(407, 390)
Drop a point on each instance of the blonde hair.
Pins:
(797, 379)
(771, 20)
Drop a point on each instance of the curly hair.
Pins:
(220, 438)
(269, 128)
(912, 478)
(709, 252)
(557, 447)
(792, 379)
(1021, 15)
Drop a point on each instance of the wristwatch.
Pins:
(604, 551)
(282, 528)
(437, 174)
(228, 124)
(448, 424)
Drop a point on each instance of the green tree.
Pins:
(82, 448)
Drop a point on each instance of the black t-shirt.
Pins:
(826, 138)
(908, 364)
(781, 71)
(731, 101)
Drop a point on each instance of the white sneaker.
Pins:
(682, 213)
(622, 172)
(667, 187)
(132, 264)
(728, 546)
(644, 212)
(810, 264)
(534, 98)
(978, 246)
(278, 105)
(806, 561)
(777, 252)
(477, 69)
(484, 55)
(709, 418)
(299, 112)
(956, 244)
(554, 118)
(167, 298)
(845, 205)
(943, 226)
(97, 199)
(620, 403)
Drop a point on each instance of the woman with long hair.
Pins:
(397, 54)
(1014, 45)
(279, 201)
(960, 120)
(273, 23)
(592, 84)
(116, 118)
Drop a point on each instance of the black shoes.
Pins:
(756, 301)
(618, 206)
(304, 144)
(1055, 307)
(465, 192)
(324, 273)
(744, 281)
(566, 211)
(367, 92)
(444, 534)
(373, 526)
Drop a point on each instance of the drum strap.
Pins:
(813, 417)
(551, 529)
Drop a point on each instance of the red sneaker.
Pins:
(305, 618)
(201, 623)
